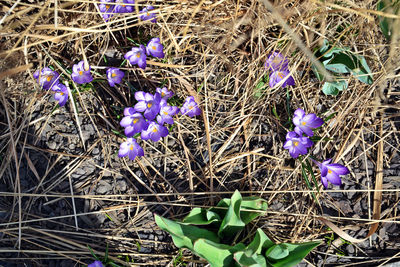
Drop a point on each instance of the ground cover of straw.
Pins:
(62, 186)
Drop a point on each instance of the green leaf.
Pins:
(201, 216)
(184, 235)
(232, 223)
(297, 252)
(260, 241)
(386, 24)
(249, 259)
(257, 204)
(330, 89)
(362, 71)
(217, 255)
(277, 252)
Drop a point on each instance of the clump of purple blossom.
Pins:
(278, 64)
(114, 76)
(49, 79)
(147, 15)
(81, 73)
(297, 144)
(96, 264)
(149, 117)
(137, 55)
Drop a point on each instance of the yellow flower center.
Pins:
(61, 93)
(149, 105)
(280, 74)
(49, 78)
(296, 143)
(304, 123)
(107, 6)
(153, 47)
(190, 107)
(80, 72)
(113, 75)
(155, 130)
(138, 55)
(148, 14)
(135, 121)
(329, 171)
(123, 5)
(131, 148)
(162, 94)
(165, 113)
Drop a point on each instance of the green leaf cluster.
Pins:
(339, 61)
(209, 233)
(386, 24)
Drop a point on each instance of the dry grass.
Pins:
(215, 51)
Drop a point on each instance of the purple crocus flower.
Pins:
(297, 145)
(123, 8)
(106, 8)
(331, 172)
(133, 122)
(165, 94)
(147, 15)
(305, 123)
(131, 149)
(96, 264)
(154, 132)
(114, 76)
(190, 107)
(278, 76)
(137, 56)
(166, 113)
(155, 48)
(148, 103)
(46, 78)
(276, 61)
(61, 93)
(81, 75)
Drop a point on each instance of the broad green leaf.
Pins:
(260, 241)
(184, 235)
(341, 63)
(252, 203)
(330, 89)
(362, 71)
(201, 216)
(386, 24)
(217, 255)
(249, 259)
(232, 223)
(257, 204)
(277, 252)
(297, 253)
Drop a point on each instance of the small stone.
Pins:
(52, 145)
(350, 249)
(72, 146)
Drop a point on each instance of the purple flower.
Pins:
(122, 8)
(276, 61)
(331, 172)
(148, 103)
(137, 56)
(278, 76)
(96, 264)
(148, 15)
(114, 76)
(190, 107)
(131, 149)
(305, 123)
(154, 48)
(166, 113)
(297, 145)
(154, 132)
(106, 8)
(81, 75)
(133, 122)
(61, 93)
(165, 94)
(46, 78)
